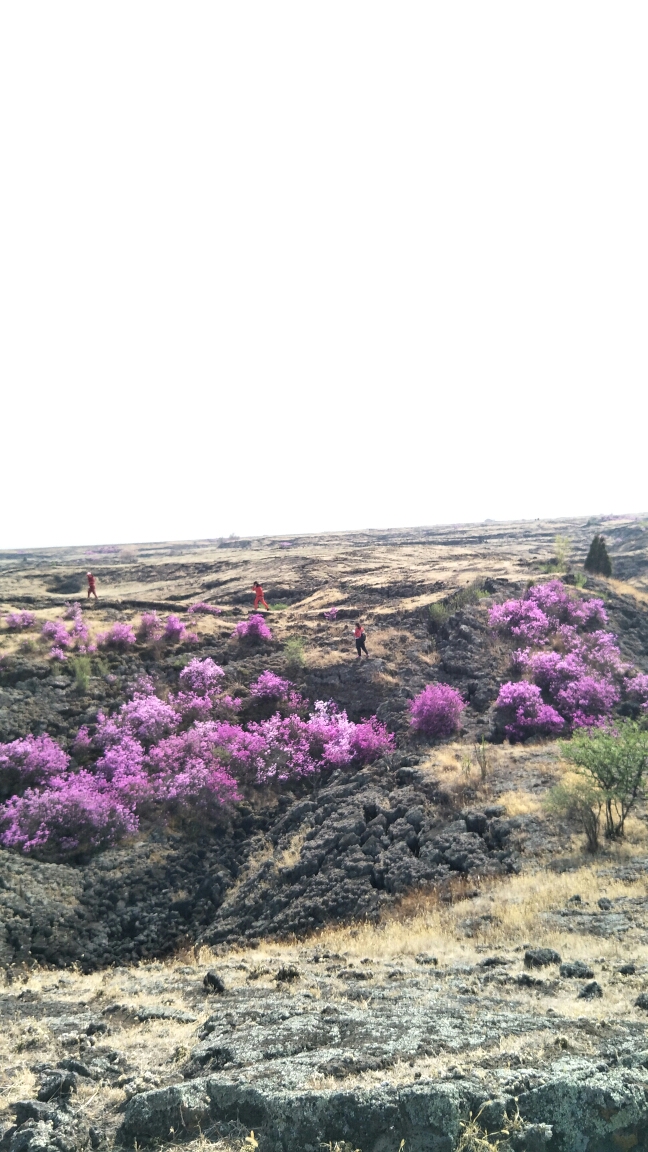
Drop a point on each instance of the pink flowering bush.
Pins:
(70, 817)
(201, 676)
(436, 711)
(148, 718)
(637, 689)
(20, 620)
(331, 614)
(56, 633)
(576, 672)
(524, 711)
(207, 609)
(370, 740)
(119, 638)
(271, 685)
(174, 629)
(30, 761)
(58, 654)
(542, 610)
(253, 629)
(150, 628)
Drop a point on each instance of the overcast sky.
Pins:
(285, 267)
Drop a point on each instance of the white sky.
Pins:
(304, 266)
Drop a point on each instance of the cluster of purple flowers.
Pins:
(269, 684)
(174, 629)
(542, 611)
(253, 629)
(436, 711)
(150, 628)
(186, 755)
(20, 620)
(119, 638)
(208, 609)
(331, 614)
(574, 677)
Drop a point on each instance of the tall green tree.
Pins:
(598, 560)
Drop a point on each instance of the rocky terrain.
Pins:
(369, 944)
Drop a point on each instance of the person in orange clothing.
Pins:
(258, 596)
(92, 591)
(360, 638)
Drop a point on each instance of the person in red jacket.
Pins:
(360, 638)
(258, 596)
(92, 591)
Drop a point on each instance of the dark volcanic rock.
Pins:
(541, 957)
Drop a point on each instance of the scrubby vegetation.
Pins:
(186, 756)
(570, 673)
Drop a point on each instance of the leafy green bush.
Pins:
(614, 762)
(294, 652)
(82, 668)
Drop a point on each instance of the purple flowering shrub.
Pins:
(524, 711)
(269, 684)
(174, 629)
(56, 633)
(575, 677)
(253, 629)
(636, 688)
(70, 817)
(19, 620)
(542, 610)
(331, 614)
(181, 758)
(207, 609)
(150, 628)
(30, 761)
(119, 638)
(200, 676)
(436, 711)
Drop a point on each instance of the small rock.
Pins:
(576, 969)
(642, 1001)
(58, 1084)
(604, 904)
(540, 957)
(213, 983)
(627, 969)
(590, 991)
(575, 900)
(491, 962)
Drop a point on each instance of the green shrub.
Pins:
(598, 560)
(294, 652)
(562, 548)
(614, 762)
(81, 666)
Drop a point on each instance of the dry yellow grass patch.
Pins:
(521, 803)
(516, 917)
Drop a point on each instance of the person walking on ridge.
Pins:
(258, 596)
(360, 638)
(92, 591)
